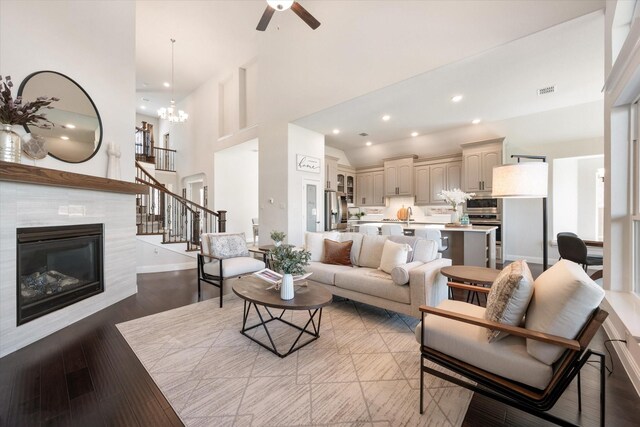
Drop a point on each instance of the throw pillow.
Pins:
(338, 253)
(400, 274)
(509, 297)
(228, 245)
(563, 300)
(393, 255)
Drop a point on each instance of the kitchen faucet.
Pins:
(409, 213)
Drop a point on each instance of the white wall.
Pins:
(339, 154)
(152, 256)
(565, 201)
(310, 143)
(236, 186)
(587, 170)
(91, 42)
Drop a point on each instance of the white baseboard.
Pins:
(628, 362)
(165, 267)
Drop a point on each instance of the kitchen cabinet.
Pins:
(422, 185)
(370, 188)
(438, 182)
(331, 173)
(346, 182)
(454, 175)
(398, 177)
(479, 159)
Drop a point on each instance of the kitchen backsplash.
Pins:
(395, 203)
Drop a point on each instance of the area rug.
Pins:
(363, 370)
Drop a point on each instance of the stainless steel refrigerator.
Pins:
(335, 210)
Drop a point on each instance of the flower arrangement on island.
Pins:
(455, 197)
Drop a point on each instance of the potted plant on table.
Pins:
(455, 198)
(289, 261)
(15, 112)
(277, 237)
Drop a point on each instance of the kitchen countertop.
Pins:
(414, 225)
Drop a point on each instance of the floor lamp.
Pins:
(525, 181)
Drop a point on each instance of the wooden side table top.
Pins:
(307, 297)
(471, 274)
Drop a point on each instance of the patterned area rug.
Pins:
(363, 370)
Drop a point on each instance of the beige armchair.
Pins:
(224, 256)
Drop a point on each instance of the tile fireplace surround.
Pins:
(33, 205)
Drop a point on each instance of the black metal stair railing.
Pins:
(177, 219)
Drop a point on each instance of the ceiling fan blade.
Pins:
(266, 17)
(305, 16)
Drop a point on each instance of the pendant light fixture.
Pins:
(172, 113)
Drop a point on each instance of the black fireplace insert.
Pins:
(57, 266)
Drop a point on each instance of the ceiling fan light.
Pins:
(280, 5)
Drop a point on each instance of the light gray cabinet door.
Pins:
(490, 159)
(377, 196)
(454, 175)
(472, 172)
(422, 185)
(405, 178)
(437, 181)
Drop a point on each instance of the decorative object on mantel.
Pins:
(13, 112)
(113, 165)
(277, 237)
(455, 198)
(289, 260)
(34, 146)
(172, 113)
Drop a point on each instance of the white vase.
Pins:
(286, 288)
(455, 217)
(276, 244)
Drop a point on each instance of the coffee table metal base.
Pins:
(314, 332)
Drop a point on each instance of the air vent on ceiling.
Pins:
(363, 134)
(547, 90)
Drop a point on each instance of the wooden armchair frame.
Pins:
(217, 281)
(534, 401)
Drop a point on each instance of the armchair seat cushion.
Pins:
(232, 267)
(371, 281)
(507, 358)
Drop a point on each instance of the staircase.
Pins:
(175, 218)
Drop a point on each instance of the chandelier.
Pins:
(172, 113)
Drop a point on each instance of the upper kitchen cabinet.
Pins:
(370, 188)
(347, 182)
(398, 177)
(331, 173)
(479, 159)
(433, 176)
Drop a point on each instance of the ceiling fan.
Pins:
(273, 5)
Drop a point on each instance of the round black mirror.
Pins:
(77, 132)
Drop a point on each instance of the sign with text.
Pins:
(307, 163)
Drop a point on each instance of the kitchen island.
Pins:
(475, 245)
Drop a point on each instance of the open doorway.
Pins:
(236, 186)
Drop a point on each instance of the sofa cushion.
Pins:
(373, 282)
(564, 298)
(425, 250)
(393, 254)
(232, 267)
(338, 253)
(371, 251)
(356, 238)
(400, 273)
(325, 273)
(314, 243)
(468, 343)
(409, 240)
(509, 297)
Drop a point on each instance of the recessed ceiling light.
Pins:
(476, 121)
(336, 131)
(414, 134)
(368, 143)
(64, 137)
(166, 84)
(70, 126)
(386, 117)
(456, 98)
(142, 107)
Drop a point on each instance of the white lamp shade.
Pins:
(521, 180)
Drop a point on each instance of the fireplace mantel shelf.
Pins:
(15, 172)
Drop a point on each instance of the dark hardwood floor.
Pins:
(86, 374)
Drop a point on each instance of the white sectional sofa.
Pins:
(418, 282)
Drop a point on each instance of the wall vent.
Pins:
(363, 134)
(546, 90)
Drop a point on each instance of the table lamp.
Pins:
(525, 181)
